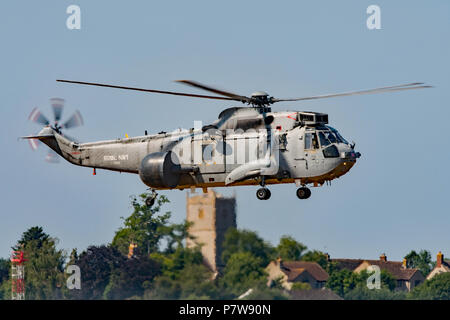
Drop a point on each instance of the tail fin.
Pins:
(47, 136)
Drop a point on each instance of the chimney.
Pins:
(383, 257)
(405, 263)
(327, 256)
(439, 260)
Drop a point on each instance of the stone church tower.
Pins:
(212, 215)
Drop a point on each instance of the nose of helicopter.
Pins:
(347, 152)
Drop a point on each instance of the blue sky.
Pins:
(393, 200)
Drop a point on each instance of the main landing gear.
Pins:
(263, 193)
(303, 193)
(150, 200)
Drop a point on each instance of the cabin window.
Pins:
(208, 152)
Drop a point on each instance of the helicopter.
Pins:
(246, 146)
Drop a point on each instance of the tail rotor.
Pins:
(38, 117)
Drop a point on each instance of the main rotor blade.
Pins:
(57, 106)
(214, 90)
(145, 90)
(409, 86)
(75, 120)
(38, 117)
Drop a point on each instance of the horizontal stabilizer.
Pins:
(43, 136)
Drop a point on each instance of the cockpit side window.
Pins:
(338, 136)
(311, 141)
(330, 136)
(323, 140)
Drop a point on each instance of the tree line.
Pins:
(162, 267)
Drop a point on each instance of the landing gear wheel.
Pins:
(303, 193)
(150, 200)
(263, 194)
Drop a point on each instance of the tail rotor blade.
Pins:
(52, 157)
(57, 106)
(75, 120)
(34, 143)
(38, 117)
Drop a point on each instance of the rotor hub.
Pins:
(260, 99)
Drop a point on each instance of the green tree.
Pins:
(5, 266)
(237, 241)
(342, 281)
(44, 270)
(421, 261)
(361, 292)
(96, 264)
(437, 288)
(173, 263)
(262, 292)
(387, 279)
(131, 277)
(148, 227)
(183, 276)
(242, 272)
(290, 249)
(194, 282)
(35, 234)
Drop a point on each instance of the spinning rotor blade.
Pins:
(146, 90)
(34, 143)
(409, 86)
(52, 156)
(221, 92)
(38, 117)
(57, 106)
(74, 121)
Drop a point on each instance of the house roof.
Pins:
(294, 268)
(314, 294)
(350, 264)
(446, 264)
(395, 268)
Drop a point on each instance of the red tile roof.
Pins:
(395, 268)
(350, 264)
(294, 268)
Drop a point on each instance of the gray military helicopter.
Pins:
(249, 145)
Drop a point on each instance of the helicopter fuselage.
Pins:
(240, 148)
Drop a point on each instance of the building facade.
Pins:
(211, 216)
(289, 272)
